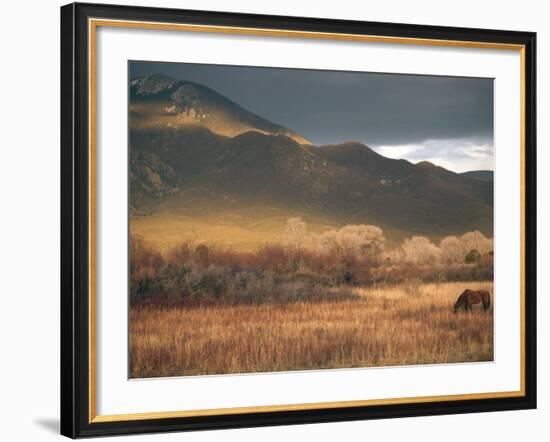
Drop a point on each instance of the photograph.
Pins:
(284, 219)
(277, 219)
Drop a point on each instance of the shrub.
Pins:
(181, 254)
(203, 274)
(472, 257)
(201, 255)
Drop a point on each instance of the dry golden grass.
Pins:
(163, 231)
(402, 325)
(237, 230)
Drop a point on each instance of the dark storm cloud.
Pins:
(381, 110)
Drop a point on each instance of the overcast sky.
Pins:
(445, 120)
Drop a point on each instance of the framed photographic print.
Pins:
(279, 220)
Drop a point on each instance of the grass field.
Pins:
(238, 229)
(400, 325)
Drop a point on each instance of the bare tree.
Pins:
(295, 232)
(420, 250)
(354, 241)
(476, 241)
(452, 250)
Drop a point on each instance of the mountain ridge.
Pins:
(191, 169)
(486, 175)
(161, 101)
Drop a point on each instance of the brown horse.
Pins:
(471, 297)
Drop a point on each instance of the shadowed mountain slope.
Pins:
(486, 175)
(194, 168)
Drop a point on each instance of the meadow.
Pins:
(382, 326)
(336, 298)
(242, 229)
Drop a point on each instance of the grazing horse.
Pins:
(470, 297)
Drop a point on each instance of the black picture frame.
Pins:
(75, 220)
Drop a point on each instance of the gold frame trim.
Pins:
(93, 24)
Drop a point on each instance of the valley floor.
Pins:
(238, 229)
(399, 325)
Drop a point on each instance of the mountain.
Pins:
(169, 163)
(485, 175)
(159, 101)
(425, 197)
(189, 169)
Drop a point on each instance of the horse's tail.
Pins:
(489, 299)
